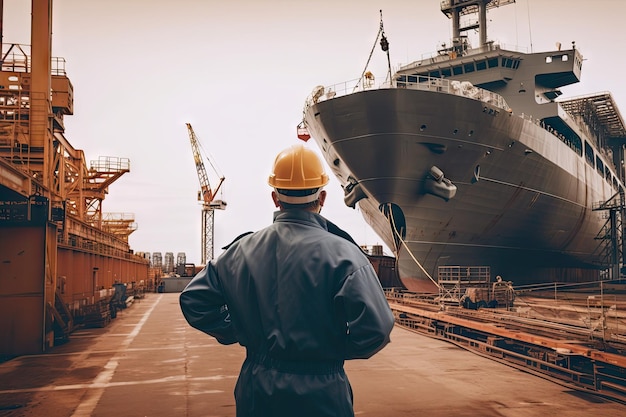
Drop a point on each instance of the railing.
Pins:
(465, 89)
(435, 57)
(17, 58)
(110, 164)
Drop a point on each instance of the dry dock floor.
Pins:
(149, 362)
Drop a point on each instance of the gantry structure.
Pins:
(59, 250)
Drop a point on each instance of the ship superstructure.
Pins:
(469, 157)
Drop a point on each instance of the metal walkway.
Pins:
(556, 349)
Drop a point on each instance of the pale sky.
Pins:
(239, 71)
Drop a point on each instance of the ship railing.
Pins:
(448, 53)
(465, 89)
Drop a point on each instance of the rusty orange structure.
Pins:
(60, 255)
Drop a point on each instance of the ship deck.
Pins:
(149, 362)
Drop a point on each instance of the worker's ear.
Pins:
(322, 197)
(275, 198)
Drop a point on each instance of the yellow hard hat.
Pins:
(298, 168)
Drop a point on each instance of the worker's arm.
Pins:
(369, 320)
(204, 307)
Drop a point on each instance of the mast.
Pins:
(454, 9)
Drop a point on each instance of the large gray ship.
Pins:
(470, 157)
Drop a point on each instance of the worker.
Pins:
(299, 295)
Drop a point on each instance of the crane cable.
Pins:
(384, 44)
(393, 226)
(209, 158)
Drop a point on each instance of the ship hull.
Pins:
(523, 200)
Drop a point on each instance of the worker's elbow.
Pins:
(366, 347)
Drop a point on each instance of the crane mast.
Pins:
(207, 197)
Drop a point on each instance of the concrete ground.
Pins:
(149, 362)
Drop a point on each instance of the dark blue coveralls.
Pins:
(301, 300)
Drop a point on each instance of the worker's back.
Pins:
(283, 289)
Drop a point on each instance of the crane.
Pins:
(207, 197)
